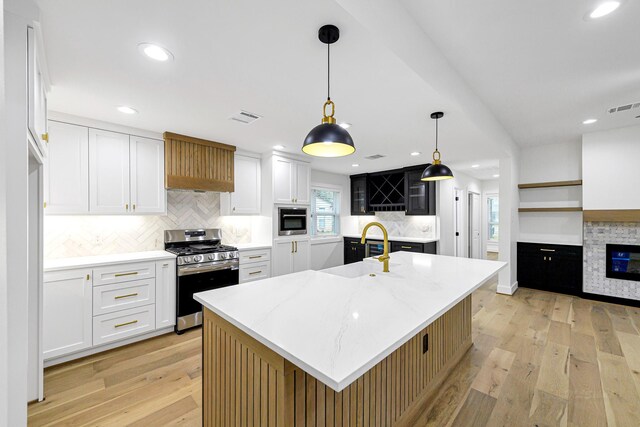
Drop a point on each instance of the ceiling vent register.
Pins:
(245, 117)
(622, 108)
(374, 157)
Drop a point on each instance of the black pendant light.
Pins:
(328, 139)
(436, 171)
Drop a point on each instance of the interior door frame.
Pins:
(458, 222)
(470, 216)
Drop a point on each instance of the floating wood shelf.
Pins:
(620, 215)
(551, 184)
(561, 209)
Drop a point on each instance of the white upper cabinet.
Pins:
(66, 186)
(291, 180)
(37, 94)
(146, 158)
(108, 172)
(245, 200)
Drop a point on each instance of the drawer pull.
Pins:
(548, 250)
(132, 273)
(119, 325)
(406, 247)
(255, 256)
(126, 296)
(255, 272)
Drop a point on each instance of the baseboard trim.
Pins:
(610, 299)
(98, 349)
(508, 290)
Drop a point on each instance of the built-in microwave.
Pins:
(292, 221)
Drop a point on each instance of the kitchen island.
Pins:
(348, 345)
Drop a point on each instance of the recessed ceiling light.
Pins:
(278, 147)
(154, 51)
(604, 9)
(589, 121)
(475, 166)
(355, 165)
(127, 110)
(416, 153)
(345, 125)
(496, 175)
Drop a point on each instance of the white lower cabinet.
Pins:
(255, 265)
(290, 256)
(67, 312)
(123, 324)
(96, 305)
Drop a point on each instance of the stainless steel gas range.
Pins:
(203, 263)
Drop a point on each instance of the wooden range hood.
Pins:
(197, 164)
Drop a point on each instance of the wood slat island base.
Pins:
(247, 384)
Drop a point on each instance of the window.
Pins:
(325, 212)
(493, 211)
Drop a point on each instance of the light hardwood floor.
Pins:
(539, 359)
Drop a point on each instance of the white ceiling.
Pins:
(263, 57)
(482, 169)
(538, 65)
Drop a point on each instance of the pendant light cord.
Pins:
(328, 73)
(436, 134)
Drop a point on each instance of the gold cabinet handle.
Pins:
(292, 246)
(255, 256)
(548, 250)
(45, 136)
(45, 205)
(255, 272)
(126, 206)
(134, 206)
(545, 258)
(126, 296)
(165, 265)
(406, 247)
(131, 273)
(88, 277)
(119, 325)
(549, 258)
(296, 246)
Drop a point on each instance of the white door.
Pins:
(301, 254)
(303, 184)
(283, 257)
(66, 177)
(67, 312)
(148, 194)
(283, 180)
(245, 199)
(475, 220)
(165, 293)
(458, 214)
(108, 172)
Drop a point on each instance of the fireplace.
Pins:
(623, 262)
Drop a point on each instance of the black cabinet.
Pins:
(420, 196)
(393, 190)
(360, 195)
(425, 248)
(354, 251)
(555, 268)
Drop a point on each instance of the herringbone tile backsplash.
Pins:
(400, 225)
(72, 236)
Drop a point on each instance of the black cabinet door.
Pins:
(407, 247)
(555, 268)
(360, 195)
(420, 196)
(532, 269)
(431, 248)
(353, 250)
(564, 273)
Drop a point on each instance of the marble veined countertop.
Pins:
(373, 236)
(96, 260)
(338, 323)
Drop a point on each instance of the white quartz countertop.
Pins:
(79, 262)
(338, 323)
(251, 246)
(395, 238)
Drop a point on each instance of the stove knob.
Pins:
(187, 259)
(223, 255)
(198, 258)
(211, 257)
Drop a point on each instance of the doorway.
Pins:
(458, 214)
(475, 220)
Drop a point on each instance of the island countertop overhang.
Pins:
(337, 323)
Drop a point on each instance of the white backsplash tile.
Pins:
(85, 235)
(401, 225)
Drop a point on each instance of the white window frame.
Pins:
(489, 222)
(335, 189)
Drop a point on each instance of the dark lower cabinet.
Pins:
(424, 248)
(555, 268)
(353, 250)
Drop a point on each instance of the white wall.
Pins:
(554, 162)
(445, 210)
(611, 175)
(509, 223)
(489, 187)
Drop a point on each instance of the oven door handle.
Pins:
(206, 268)
(294, 216)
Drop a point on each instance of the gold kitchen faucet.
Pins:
(385, 255)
